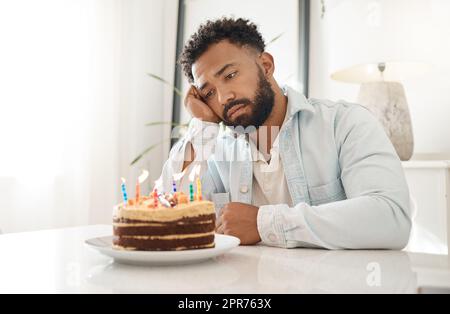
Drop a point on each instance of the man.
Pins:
(287, 171)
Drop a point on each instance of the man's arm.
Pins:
(376, 214)
(195, 147)
(196, 106)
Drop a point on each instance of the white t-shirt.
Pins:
(269, 182)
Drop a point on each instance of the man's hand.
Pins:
(239, 220)
(197, 108)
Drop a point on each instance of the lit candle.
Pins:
(194, 172)
(124, 192)
(177, 177)
(191, 191)
(174, 187)
(138, 192)
(199, 189)
(140, 180)
(155, 197)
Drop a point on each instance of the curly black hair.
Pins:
(239, 31)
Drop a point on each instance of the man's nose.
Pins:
(225, 96)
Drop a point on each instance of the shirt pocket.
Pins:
(327, 193)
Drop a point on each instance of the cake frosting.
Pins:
(185, 225)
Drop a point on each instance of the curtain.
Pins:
(74, 100)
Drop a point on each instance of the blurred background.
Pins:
(80, 79)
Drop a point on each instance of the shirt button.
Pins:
(244, 189)
(272, 237)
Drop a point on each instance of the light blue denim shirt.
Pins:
(344, 176)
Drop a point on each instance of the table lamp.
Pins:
(382, 93)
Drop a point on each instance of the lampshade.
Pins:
(387, 101)
(379, 72)
(382, 93)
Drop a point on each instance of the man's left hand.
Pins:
(239, 220)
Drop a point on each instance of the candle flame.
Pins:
(143, 176)
(159, 184)
(194, 172)
(123, 180)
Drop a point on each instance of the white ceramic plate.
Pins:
(224, 243)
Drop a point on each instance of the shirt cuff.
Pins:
(270, 226)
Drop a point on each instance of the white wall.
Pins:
(148, 39)
(361, 31)
(272, 18)
(147, 45)
(75, 97)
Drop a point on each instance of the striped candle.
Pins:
(155, 197)
(138, 192)
(195, 172)
(191, 191)
(124, 192)
(174, 187)
(199, 189)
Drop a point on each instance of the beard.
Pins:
(261, 107)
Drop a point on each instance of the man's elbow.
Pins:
(401, 230)
(401, 238)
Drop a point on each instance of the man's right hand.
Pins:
(197, 108)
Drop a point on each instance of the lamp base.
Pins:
(387, 101)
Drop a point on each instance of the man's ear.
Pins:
(268, 64)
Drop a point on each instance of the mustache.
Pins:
(233, 103)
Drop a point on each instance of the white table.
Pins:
(57, 261)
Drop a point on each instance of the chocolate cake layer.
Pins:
(164, 244)
(181, 220)
(185, 226)
(163, 229)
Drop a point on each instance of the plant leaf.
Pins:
(176, 90)
(322, 2)
(147, 150)
(274, 39)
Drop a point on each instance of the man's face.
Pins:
(233, 85)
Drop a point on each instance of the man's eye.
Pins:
(231, 75)
(208, 94)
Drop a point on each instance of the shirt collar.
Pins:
(296, 102)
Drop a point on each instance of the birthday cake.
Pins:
(164, 223)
